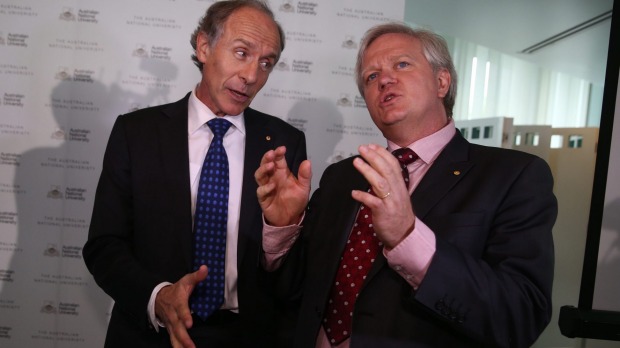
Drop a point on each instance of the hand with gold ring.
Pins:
(393, 219)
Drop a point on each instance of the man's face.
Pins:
(238, 65)
(403, 94)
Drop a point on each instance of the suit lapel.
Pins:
(172, 131)
(449, 168)
(348, 206)
(340, 220)
(258, 140)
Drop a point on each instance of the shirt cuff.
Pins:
(154, 321)
(412, 256)
(277, 241)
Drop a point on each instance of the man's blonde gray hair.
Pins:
(434, 47)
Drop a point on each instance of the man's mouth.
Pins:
(388, 97)
(238, 95)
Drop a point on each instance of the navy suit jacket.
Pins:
(141, 227)
(489, 282)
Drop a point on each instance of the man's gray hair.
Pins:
(434, 47)
(212, 24)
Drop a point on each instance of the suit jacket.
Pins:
(489, 282)
(141, 227)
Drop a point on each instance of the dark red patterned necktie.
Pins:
(358, 256)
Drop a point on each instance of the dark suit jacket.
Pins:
(489, 283)
(141, 228)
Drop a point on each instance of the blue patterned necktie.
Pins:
(210, 221)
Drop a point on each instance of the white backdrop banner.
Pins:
(68, 68)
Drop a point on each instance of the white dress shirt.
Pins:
(199, 138)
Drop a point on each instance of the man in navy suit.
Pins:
(453, 250)
(140, 244)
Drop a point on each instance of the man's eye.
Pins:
(371, 77)
(241, 54)
(266, 66)
(403, 64)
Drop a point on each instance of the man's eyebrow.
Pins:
(367, 69)
(391, 58)
(245, 42)
(251, 45)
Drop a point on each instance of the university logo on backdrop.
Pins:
(69, 14)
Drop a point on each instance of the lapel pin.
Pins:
(268, 138)
(456, 172)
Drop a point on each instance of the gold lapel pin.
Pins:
(456, 172)
(268, 138)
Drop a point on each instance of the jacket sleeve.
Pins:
(108, 252)
(498, 292)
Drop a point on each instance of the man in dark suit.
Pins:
(140, 247)
(443, 244)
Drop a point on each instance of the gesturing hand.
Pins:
(282, 197)
(172, 307)
(392, 215)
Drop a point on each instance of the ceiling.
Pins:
(510, 26)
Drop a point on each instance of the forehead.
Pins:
(251, 25)
(391, 46)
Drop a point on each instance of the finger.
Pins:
(180, 338)
(379, 184)
(272, 162)
(200, 274)
(268, 157)
(264, 172)
(182, 309)
(366, 198)
(304, 174)
(380, 159)
(280, 159)
(184, 315)
(266, 168)
(263, 192)
(386, 166)
(280, 151)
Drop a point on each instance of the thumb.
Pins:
(304, 175)
(199, 275)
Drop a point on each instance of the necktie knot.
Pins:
(219, 126)
(405, 155)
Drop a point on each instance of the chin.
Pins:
(391, 119)
(234, 110)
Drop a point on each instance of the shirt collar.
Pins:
(199, 114)
(429, 147)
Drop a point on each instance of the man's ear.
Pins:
(202, 47)
(443, 82)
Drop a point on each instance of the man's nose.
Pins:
(249, 72)
(385, 79)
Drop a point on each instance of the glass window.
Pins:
(475, 133)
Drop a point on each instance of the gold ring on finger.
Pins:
(385, 196)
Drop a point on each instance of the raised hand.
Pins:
(281, 195)
(392, 215)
